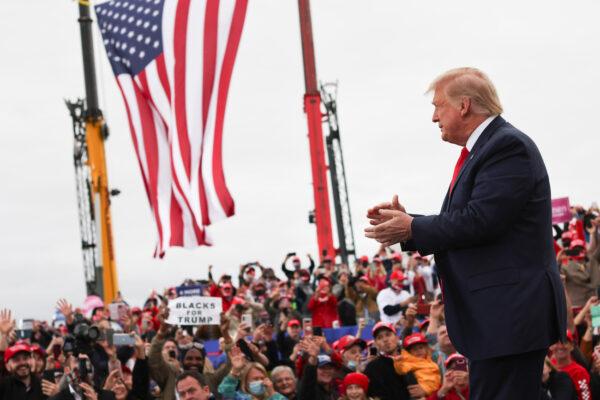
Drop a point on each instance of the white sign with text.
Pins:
(195, 310)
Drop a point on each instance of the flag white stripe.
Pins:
(216, 211)
(193, 92)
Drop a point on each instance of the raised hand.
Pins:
(49, 388)
(448, 383)
(163, 316)
(313, 347)
(224, 327)
(89, 392)
(437, 310)
(66, 309)
(242, 332)
(238, 360)
(7, 323)
(111, 380)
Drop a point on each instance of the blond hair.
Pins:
(468, 82)
(244, 375)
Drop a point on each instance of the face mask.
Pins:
(256, 388)
(351, 365)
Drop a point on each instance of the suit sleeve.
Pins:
(502, 187)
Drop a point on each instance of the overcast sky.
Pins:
(542, 55)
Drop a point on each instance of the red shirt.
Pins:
(215, 291)
(580, 378)
(324, 312)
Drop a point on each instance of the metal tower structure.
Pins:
(337, 171)
(93, 196)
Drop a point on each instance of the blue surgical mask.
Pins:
(256, 388)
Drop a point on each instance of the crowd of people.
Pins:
(371, 330)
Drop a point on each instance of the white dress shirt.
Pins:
(477, 132)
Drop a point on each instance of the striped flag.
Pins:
(173, 61)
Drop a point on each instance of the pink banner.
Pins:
(561, 210)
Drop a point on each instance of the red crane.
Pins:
(314, 116)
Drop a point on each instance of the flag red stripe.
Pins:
(151, 147)
(235, 33)
(211, 20)
(134, 140)
(162, 75)
(179, 89)
(176, 222)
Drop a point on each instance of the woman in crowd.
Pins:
(284, 381)
(251, 378)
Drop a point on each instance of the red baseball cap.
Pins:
(363, 259)
(413, 339)
(396, 256)
(348, 341)
(293, 322)
(453, 357)
(383, 325)
(364, 279)
(397, 275)
(37, 349)
(577, 243)
(424, 323)
(14, 350)
(295, 259)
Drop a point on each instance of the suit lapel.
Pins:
(485, 135)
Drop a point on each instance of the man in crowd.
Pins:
(191, 385)
(393, 299)
(492, 241)
(564, 362)
(385, 383)
(21, 384)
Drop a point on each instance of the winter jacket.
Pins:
(323, 312)
(425, 369)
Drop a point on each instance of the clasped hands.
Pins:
(390, 223)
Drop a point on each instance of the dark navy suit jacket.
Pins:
(494, 251)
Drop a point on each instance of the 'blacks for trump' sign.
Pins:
(195, 310)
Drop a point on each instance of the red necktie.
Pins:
(461, 160)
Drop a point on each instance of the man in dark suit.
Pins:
(492, 242)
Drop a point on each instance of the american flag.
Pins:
(173, 61)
